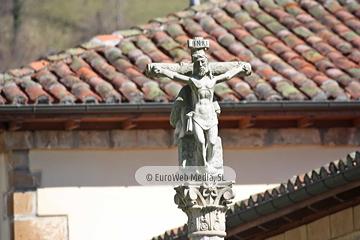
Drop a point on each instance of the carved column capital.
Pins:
(205, 204)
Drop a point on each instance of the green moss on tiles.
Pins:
(349, 36)
(253, 9)
(92, 45)
(173, 89)
(249, 40)
(169, 45)
(328, 20)
(265, 18)
(233, 8)
(165, 19)
(290, 22)
(185, 14)
(312, 56)
(317, 11)
(353, 6)
(268, 4)
(203, 7)
(179, 54)
(153, 92)
(175, 30)
(270, 58)
(294, 10)
(302, 32)
(323, 64)
(129, 32)
(221, 89)
(310, 90)
(355, 72)
(275, 27)
(344, 79)
(286, 90)
(226, 40)
(260, 32)
(353, 24)
(283, 3)
(243, 91)
(242, 17)
(230, 25)
(333, 6)
(111, 75)
(75, 51)
(127, 46)
(292, 40)
(113, 54)
(58, 57)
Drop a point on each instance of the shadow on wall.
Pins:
(95, 168)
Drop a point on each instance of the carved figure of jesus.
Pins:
(202, 119)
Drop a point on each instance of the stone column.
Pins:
(205, 204)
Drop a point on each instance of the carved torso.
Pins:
(203, 107)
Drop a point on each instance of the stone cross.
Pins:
(195, 112)
(195, 118)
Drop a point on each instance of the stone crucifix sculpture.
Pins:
(195, 118)
(195, 112)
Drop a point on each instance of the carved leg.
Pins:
(201, 141)
(184, 111)
(177, 132)
(212, 135)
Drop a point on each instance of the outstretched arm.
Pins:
(170, 74)
(244, 69)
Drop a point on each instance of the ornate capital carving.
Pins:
(205, 204)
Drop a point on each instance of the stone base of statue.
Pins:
(188, 154)
(205, 204)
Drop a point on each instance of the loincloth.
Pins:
(206, 121)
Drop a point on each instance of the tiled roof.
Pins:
(298, 188)
(298, 49)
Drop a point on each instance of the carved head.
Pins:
(200, 61)
(198, 46)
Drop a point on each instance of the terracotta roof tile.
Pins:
(225, 93)
(298, 50)
(236, 48)
(76, 51)
(78, 87)
(354, 89)
(21, 72)
(355, 72)
(332, 89)
(310, 72)
(104, 89)
(13, 94)
(92, 45)
(169, 18)
(232, 7)
(243, 89)
(2, 100)
(34, 91)
(51, 84)
(110, 40)
(203, 7)
(39, 65)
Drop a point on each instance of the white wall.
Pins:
(98, 191)
(4, 223)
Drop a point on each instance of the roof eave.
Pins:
(126, 107)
